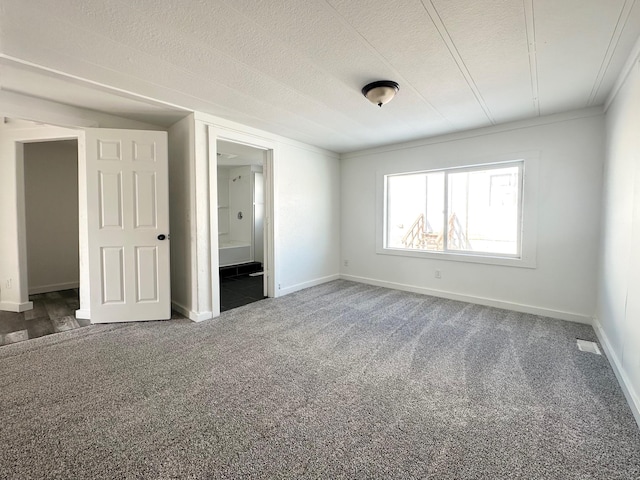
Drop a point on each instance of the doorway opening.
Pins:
(51, 215)
(51, 221)
(241, 218)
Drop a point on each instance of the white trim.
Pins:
(624, 74)
(633, 398)
(193, 316)
(101, 86)
(528, 214)
(54, 287)
(24, 107)
(16, 307)
(255, 134)
(83, 314)
(216, 133)
(489, 302)
(17, 138)
(479, 132)
(310, 283)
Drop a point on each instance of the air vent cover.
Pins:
(587, 346)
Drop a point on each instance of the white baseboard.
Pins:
(16, 307)
(302, 286)
(633, 397)
(83, 314)
(489, 302)
(191, 315)
(56, 287)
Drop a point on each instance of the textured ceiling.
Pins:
(296, 67)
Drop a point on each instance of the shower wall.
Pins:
(240, 205)
(239, 221)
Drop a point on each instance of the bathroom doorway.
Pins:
(241, 218)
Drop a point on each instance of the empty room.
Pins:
(320, 239)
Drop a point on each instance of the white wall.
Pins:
(258, 215)
(563, 283)
(223, 204)
(13, 265)
(308, 228)
(14, 295)
(181, 212)
(305, 218)
(51, 201)
(240, 201)
(618, 309)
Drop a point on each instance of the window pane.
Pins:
(483, 211)
(415, 211)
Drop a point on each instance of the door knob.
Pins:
(162, 236)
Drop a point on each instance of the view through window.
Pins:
(474, 210)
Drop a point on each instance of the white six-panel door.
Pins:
(128, 225)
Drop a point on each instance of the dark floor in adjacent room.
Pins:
(240, 285)
(52, 312)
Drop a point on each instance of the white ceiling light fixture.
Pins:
(380, 92)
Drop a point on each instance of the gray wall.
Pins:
(51, 202)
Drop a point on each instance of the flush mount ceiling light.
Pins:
(380, 92)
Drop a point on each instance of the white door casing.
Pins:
(127, 225)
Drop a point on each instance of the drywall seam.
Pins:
(433, 13)
(624, 73)
(489, 302)
(611, 48)
(533, 59)
(633, 398)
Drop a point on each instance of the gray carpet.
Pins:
(342, 380)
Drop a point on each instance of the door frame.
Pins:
(216, 133)
(19, 300)
(18, 138)
(22, 198)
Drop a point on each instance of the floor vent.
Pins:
(587, 346)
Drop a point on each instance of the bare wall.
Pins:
(181, 210)
(618, 312)
(308, 209)
(51, 202)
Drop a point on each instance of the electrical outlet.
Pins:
(346, 263)
(438, 274)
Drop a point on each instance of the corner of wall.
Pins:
(633, 397)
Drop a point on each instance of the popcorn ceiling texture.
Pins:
(342, 380)
(296, 68)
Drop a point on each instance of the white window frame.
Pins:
(528, 202)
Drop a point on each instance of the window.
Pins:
(465, 211)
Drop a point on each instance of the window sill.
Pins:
(461, 257)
